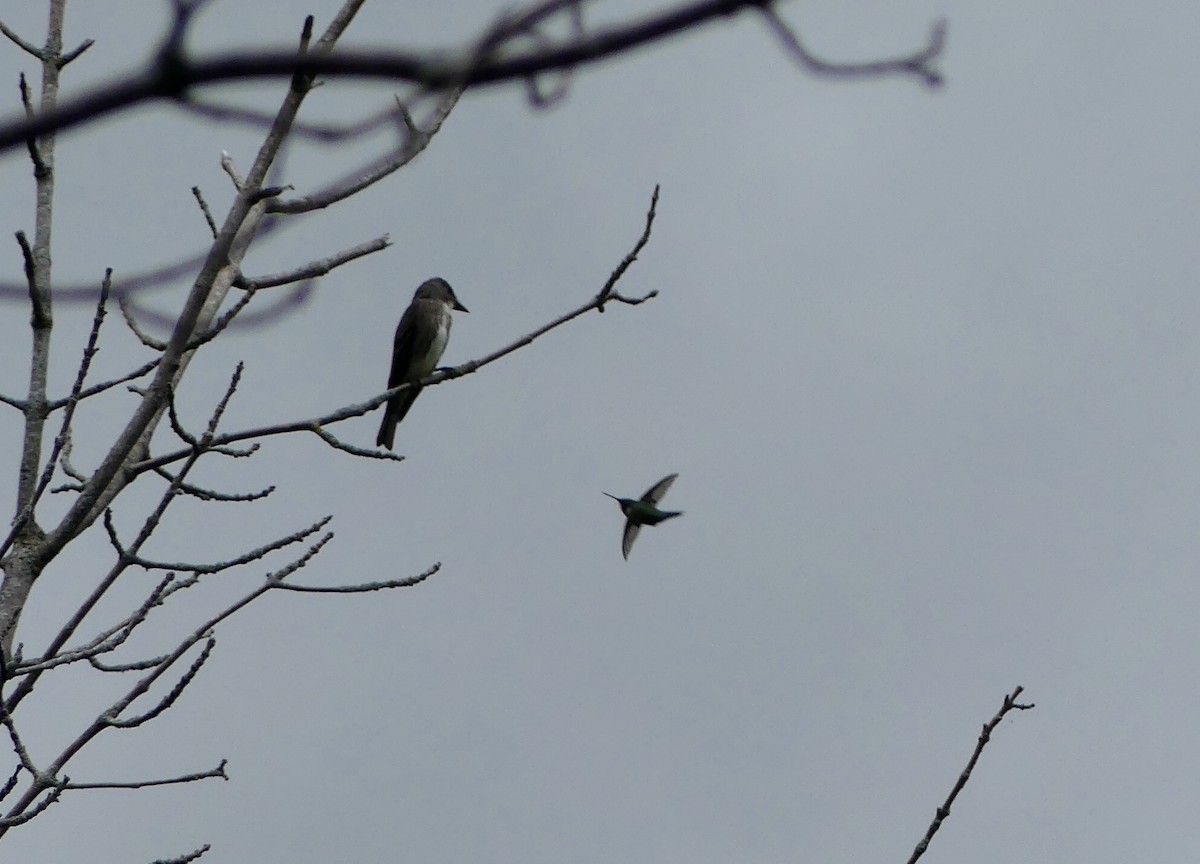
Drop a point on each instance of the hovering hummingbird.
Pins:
(642, 511)
(421, 338)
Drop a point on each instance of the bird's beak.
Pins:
(614, 497)
(460, 307)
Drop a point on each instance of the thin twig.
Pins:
(110, 718)
(320, 267)
(1010, 703)
(187, 858)
(13, 37)
(919, 63)
(208, 217)
(211, 773)
(241, 560)
(72, 401)
(363, 587)
(316, 424)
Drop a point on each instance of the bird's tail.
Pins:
(387, 429)
(397, 407)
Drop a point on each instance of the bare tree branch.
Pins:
(75, 52)
(19, 558)
(1010, 703)
(96, 389)
(316, 424)
(11, 783)
(18, 812)
(321, 133)
(415, 138)
(320, 267)
(185, 859)
(211, 773)
(209, 289)
(208, 217)
(174, 74)
(60, 441)
(919, 63)
(241, 560)
(203, 494)
(362, 587)
(32, 810)
(110, 717)
(27, 47)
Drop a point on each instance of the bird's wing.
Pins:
(631, 532)
(655, 493)
(410, 343)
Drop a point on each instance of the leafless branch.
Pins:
(185, 859)
(177, 424)
(353, 449)
(211, 773)
(174, 74)
(1010, 703)
(606, 293)
(203, 494)
(538, 97)
(208, 217)
(322, 133)
(27, 47)
(253, 555)
(320, 267)
(75, 52)
(919, 63)
(112, 638)
(125, 304)
(125, 556)
(11, 783)
(282, 304)
(72, 400)
(130, 666)
(316, 424)
(35, 153)
(364, 586)
(29, 809)
(111, 719)
(27, 256)
(414, 139)
(18, 744)
(64, 460)
(95, 389)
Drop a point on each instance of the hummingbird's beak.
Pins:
(614, 497)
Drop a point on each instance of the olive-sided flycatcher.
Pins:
(643, 511)
(421, 337)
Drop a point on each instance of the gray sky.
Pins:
(924, 361)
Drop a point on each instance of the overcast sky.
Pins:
(925, 362)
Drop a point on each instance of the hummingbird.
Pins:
(643, 511)
(421, 337)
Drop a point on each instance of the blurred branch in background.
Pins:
(517, 47)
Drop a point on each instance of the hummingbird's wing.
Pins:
(631, 531)
(655, 493)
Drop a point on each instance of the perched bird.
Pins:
(421, 338)
(642, 511)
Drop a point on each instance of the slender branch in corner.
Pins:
(1010, 704)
